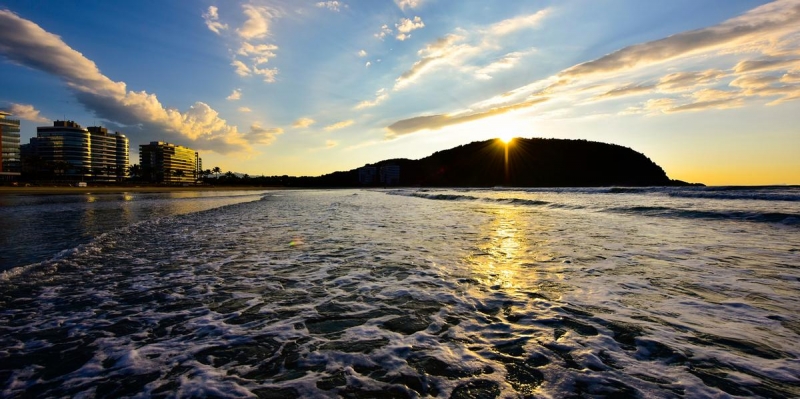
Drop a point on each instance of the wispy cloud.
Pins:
(263, 136)
(253, 48)
(437, 52)
(245, 109)
(26, 43)
(460, 49)
(303, 123)
(237, 94)
(27, 112)
(764, 39)
(403, 4)
(339, 125)
(331, 5)
(331, 143)
(362, 53)
(508, 61)
(211, 17)
(434, 122)
(380, 96)
(511, 25)
(384, 31)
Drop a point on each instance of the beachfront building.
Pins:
(68, 151)
(109, 154)
(169, 163)
(62, 150)
(390, 175)
(10, 164)
(367, 175)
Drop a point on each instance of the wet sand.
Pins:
(55, 190)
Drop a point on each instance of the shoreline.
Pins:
(56, 190)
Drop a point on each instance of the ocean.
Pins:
(460, 293)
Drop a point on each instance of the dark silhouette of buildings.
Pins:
(10, 161)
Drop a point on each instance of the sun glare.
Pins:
(506, 137)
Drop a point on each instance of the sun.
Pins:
(506, 137)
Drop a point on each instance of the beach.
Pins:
(63, 190)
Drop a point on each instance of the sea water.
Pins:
(609, 292)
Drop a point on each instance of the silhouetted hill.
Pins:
(532, 163)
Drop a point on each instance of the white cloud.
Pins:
(237, 94)
(258, 19)
(406, 26)
(385, 30)
(679, 81)
(408, 3)
(380, 96)
(27, 112)
(268, 74)
(331, 5)
(331, 143)
(339, 125)
(508, 61)
(245, 109)
(768, 33)
(240, 68)
(441, 51)
(752, 30)
(259, 53)
(211, 17)
(511, 25)
(368, 64)
(263, 136)
(362, 53)
(303, 123)
(25, 43)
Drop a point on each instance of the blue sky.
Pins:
(707, 89)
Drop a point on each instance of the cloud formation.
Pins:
(339, 125)
(765, 39)
(757, 25)
(403, 4)
(245, 109)
(331, 143)
(406, 26)
(237, 94)
(303, 123)
(511, 25)
(256, 24)
(331, 5)
(211, 17)
(263, 136)
(252, 51)
(385, 30)
(27, 112)
(380, 96)
(26, 43)
(434, 122)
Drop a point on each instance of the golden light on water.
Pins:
(497, 263)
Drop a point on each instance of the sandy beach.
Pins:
(57, 190)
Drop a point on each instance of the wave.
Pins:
(763, 217)
(758, 216)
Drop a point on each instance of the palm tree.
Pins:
(135, 171)
(217, 171)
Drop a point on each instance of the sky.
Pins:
(708, 89)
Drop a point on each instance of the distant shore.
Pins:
(58, 190)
